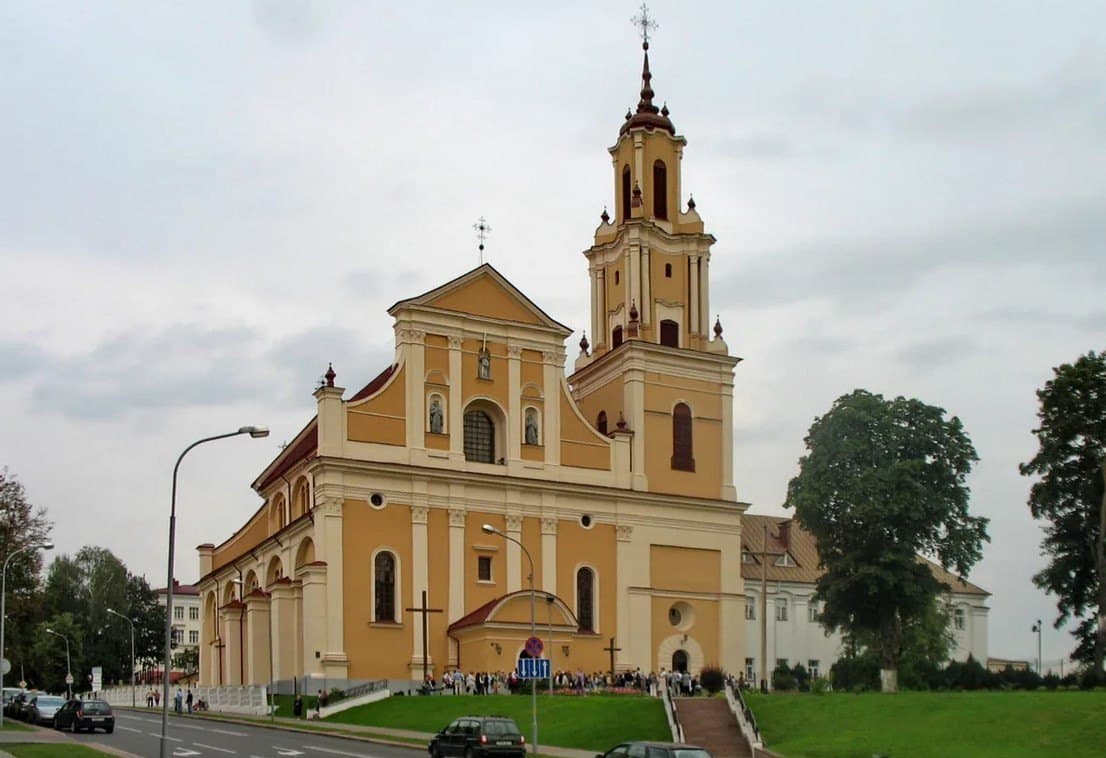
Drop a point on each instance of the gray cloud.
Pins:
(18, 359)
(938, 351)
(1042, 318)
(859, 272)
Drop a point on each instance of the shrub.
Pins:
(857, 674)
(1051, 681)
(782, 679)
(1090, 678)
(819, 686)
(802, 677)
(713, 679)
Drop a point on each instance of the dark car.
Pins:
(654, 750)
(20, 708)
(479, 737)
(76, 715)
(42, 708)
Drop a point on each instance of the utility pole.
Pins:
(764, 555)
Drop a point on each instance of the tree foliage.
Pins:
(882, 482)
(1069, 491)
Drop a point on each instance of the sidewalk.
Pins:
(40, 735)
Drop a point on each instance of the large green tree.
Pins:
(882, 482)
(1070, 497)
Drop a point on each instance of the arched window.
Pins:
(668, 270)
(479, 437)
(681, 438)
(625, 192)
(616, 337)
(585, 599)
(660, 190)
(670, 333)
(384, 587)
(601, 422)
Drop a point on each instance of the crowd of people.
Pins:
(457, 682)
(181, 701)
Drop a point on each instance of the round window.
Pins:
(376, 500)
(681, 615)
(674, 616)
(585, 521)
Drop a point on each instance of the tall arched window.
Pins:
(601, 422)
(585, 599)
(384, 587)
(660, 190)
(670, 333)
(616, 337)
(681, 438)
(479, 437)
(625, 192)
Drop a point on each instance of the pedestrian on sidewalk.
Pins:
(188, 700)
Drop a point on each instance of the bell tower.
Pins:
(655, 364)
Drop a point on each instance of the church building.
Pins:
(405, 526)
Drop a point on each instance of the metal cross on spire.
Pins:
(647, 24)
(483, 229)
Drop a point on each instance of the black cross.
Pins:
(612, 650)
(425, 623)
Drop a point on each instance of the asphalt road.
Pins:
(140, 734)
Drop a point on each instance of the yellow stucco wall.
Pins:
(531, 538)
(685, 568)
(375, 650)
(494, 388)
(381, 418)
(256, 530)
(597, 548)
(661, 395)
(606, 398)
(532, 369)
(476, 592)
(484, 297)
(581, 446)
(705, 628)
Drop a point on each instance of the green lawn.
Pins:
(44, 750)
(946, 724)
(10, 725)
(592, 722)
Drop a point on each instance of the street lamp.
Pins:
(255, 432)
(68, 666)
(1038, 629)
(489, 529)
(3, 598)
(120, 615)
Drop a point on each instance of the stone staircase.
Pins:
(709, 723)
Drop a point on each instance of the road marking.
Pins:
(128, 729)
(338, 752)
(210, 729)
(158, 735)
(186, 752)
(287, 750)
(212, 747)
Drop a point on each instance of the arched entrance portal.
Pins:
(679, 661)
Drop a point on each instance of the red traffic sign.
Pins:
(534, 647)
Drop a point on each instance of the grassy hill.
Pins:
(592, 722)
(922, 724)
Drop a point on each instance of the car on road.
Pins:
(76, 715)
(22, 702)
(42, 708)
(479, 737)
(655, 750)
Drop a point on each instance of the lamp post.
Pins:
(1038, 629)
(68, 666)
(120, 615)
(3, 603)
(255, 432)
(489, 529)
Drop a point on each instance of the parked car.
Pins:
(21, 702)
(654, 750)
(479, 737)
(76, 715)
(42, 708)
(10, 694)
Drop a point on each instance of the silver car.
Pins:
(42, 708)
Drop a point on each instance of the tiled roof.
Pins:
(803, 549)
(479, 616)
(179, 589)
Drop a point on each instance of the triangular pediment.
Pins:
(484, 292)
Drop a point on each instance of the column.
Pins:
(514, 402)
(645, 305)
(732, 607)
(257, 638)
(329, 549)
(412, 346)
(552, 376)
(693, 307)
(284, 631)
(456, 411)
(626, 632)
(514, 553)
(232, 614)
(548, 554)
(594, 275)
(313, 582)
(600, 336)
(729, 491)
(633, 275)
(419, 583)
(704, 297)
(456, 566)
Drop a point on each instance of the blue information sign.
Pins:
(533, 668)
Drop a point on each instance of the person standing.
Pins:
(188, 700)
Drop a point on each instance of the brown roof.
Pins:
(179, 589)
(307, 446)
(803, 549)
(375, 384)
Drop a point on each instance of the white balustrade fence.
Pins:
(249, 700)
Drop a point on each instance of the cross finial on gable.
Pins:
(645, 23)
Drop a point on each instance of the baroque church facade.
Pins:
(472, 470)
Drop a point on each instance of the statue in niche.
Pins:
(484, 365)
(531, 426)
(437, 418)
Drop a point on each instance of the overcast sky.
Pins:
(201, 204)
